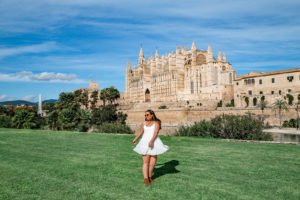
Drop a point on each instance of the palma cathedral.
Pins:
(184, 76)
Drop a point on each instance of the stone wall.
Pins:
(173, 118)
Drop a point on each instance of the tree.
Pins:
(109, 94)
(104, 114)
(297, 108)
(66, 100)
(262, 105)
(290, 99)
(84, 99)
(49, 106)
(247, 101)
(81, 96)
(85, 117)
(280, 106)
(254, 101)
(24, 119)
(94, 100)
(68, 119)
(52, 119)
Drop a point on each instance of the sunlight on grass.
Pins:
(38, 164)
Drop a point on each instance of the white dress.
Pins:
(143, 146)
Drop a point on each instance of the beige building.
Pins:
(94, 86)
(184, 76)
(273, 85)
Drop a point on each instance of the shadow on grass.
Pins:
(166, 168)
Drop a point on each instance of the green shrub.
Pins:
(254, 101)
(198, 129)
(220, 103)
(290, 99)
(227, 126)
(247, 101)
(5, 121)
(292, 123)
(231, 104)
(162, 107)
(114, 128)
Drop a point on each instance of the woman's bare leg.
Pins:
(146, 159)
(152, 164)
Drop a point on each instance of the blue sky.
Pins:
(56, 46)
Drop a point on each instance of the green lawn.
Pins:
(36, 164)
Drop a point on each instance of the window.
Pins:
(273, 80)
(245, 82)
(260, 81)
(290, 78)
(252, 81)
(192, 87)
(279, 92)
(230, 78)
(272, 92)
(250, 92)
(260, 92)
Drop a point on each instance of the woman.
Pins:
(150, 145)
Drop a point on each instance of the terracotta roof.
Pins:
(257, 74)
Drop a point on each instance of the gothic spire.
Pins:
(193, 46)
(141, 52)
(156, 54)
(128, 65)
(224, 57)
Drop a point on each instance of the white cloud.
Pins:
(4, 97)
(29, 98)
(38, 48)
(27, 76)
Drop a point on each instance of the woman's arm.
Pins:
(140, 132)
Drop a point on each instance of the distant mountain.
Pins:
(18, 102)
(22, 102)
(50, 101)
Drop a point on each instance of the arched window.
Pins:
(192, 87)
(147, 96)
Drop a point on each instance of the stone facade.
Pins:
(184, 76)
(273, 85)
(187, 78)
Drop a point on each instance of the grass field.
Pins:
(36, 164)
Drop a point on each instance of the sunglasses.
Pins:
(147, 115)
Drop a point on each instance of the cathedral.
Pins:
(184, 76)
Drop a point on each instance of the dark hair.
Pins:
(154, 118)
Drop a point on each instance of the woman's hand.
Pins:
(150, 143)
(134, 141)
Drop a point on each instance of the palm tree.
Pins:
(297, 108)
(262, 105)
(280, 105)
